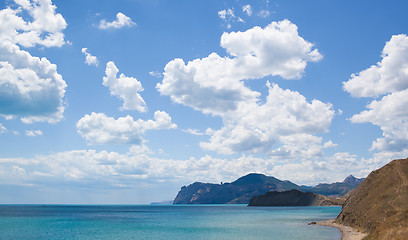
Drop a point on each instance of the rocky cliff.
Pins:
(379, 205)
(244, 188)
(294, 198)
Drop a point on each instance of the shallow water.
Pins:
(165, 222)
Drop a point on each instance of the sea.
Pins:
(181, 222)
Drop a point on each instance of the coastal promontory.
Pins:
(379, 205)
(294, 198)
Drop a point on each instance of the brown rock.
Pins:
(379, 205)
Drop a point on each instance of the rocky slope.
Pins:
(243, 189)
(293, 198)
(379, 205)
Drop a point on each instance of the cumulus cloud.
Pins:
(247, 9)
(30, 87)
(389, 75)
(126, 88)
(45, 28)
(258, 127)
(391, 115)
(97, 128)
(388, 79)
(89, 59)
(121, 21)
(33, 133)
(215, 85)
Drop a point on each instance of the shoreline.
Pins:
(348, 233)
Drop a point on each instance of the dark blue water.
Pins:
(165, 222)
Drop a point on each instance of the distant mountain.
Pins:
(244, 188)
(294, 198)
(379, 205)
(337, 189)
(239, 191)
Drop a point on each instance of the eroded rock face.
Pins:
(294, 198)
(379, 205)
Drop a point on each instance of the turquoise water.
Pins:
(165, 222)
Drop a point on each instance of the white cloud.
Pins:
(89, 59)
(24, 78)
(45, 28)
(390, 79)
(194, 132)
(391, 115)
(121, 21)
(247, 9)
(126, 88)
(33, 133)
(228, 16)
(258, 127)
(226, 13)
(214, 85)
(97, 128)
(330, 144)
(264, 13)
(93, 169)
(389, 75)
(156, 74)
(2, 129)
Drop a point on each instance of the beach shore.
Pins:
(347, 233)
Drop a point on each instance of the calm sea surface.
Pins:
(219, 222)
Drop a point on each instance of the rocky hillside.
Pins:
(294, 198)
(379, 205)
(243, 189)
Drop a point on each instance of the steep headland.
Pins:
(379, 205)
(244, 188)
(294, 198)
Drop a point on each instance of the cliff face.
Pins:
(244, 188)
(379, 205)
(293, 198)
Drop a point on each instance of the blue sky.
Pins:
(126, 101)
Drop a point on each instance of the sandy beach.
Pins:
(348, 233)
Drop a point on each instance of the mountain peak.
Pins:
(352, 180)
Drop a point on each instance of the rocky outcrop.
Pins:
(244, 188)
(293, 198)
(379, 205)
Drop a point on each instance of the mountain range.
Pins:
(243, 189)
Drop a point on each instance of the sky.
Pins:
(126, 101)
